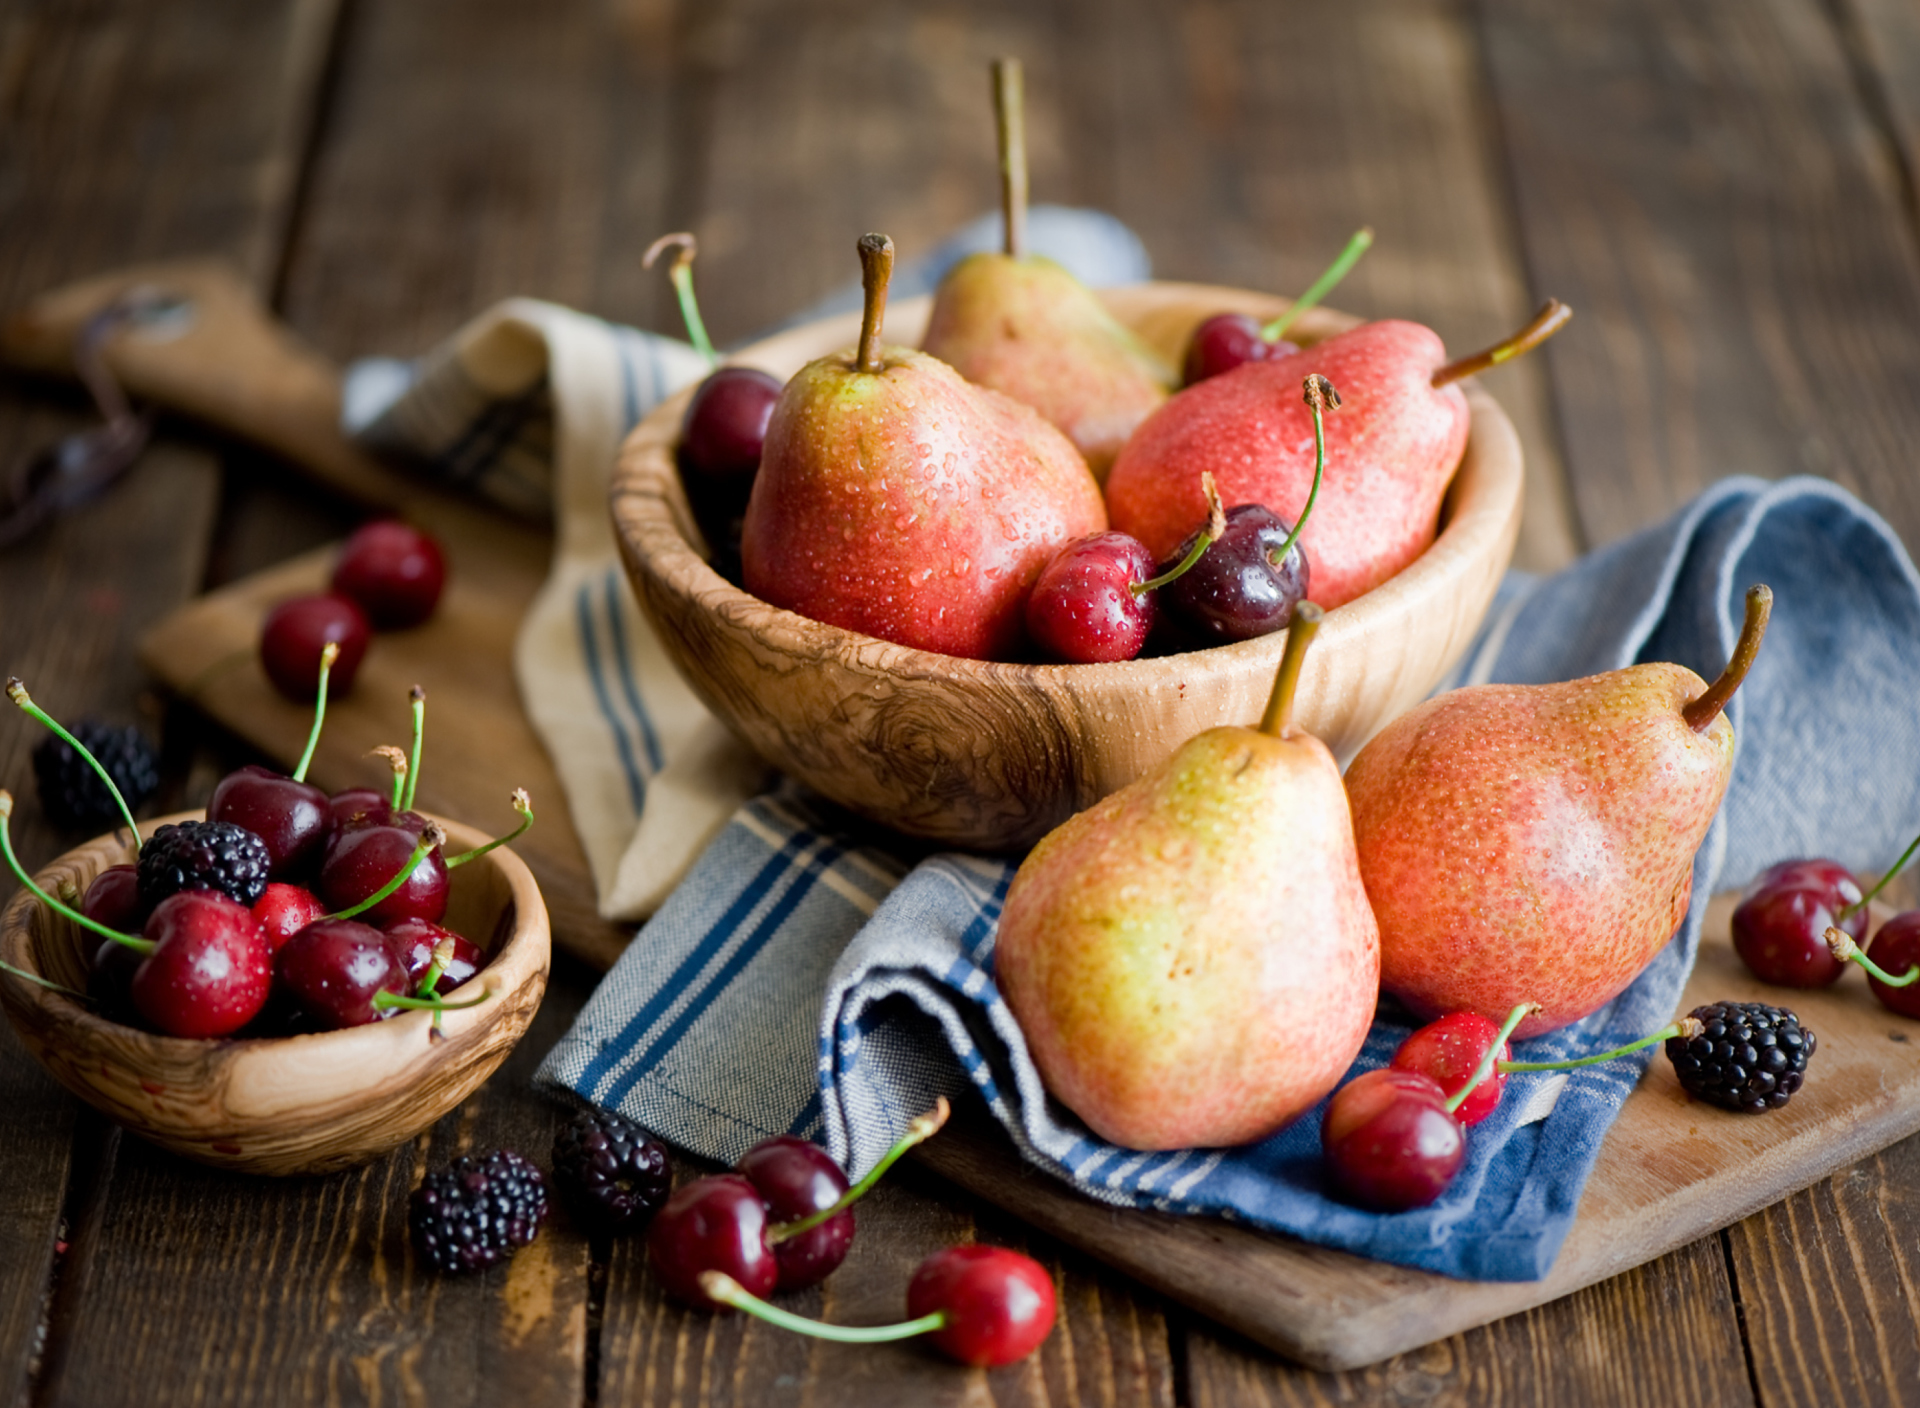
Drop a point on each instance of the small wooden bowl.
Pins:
(992, 756)
(281, 1105)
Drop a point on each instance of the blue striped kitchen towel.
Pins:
(810, 978)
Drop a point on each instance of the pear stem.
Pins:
(417, 697)
(1686, 1026)
(724, 1290)
(1841, 945)
(1216, 528)
(1491, 1059)
(921, 1128)
(17, 692)
(1010, 129)
(138, 945)
(329, 653)
(1277, 722)
(1553, 316)
(1361, 241)
(876, 272)
(1704, 710)
(680, 274)
(1847, 913)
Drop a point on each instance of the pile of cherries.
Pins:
(389, 577)
(287, 910)
(1802, 921)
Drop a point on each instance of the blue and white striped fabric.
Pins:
(790, 986)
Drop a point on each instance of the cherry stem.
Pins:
(1216, 528)
(49, 983)
(876, 272)
(1358, 245)
(922, 1128)
(1277, 722)
(329, 653)
(138, 945)
(1685, 1026)
(17, 692)
(724, 1289)
(418, 698)
(1841, 945)
(1553, 316)
(1321, 398)
(1849, 911)
(430, 838)
(435, 1005)
(1010, 131)
(1492, 1057)
(1704, 710)
(397, 761)
(680, 273)
(523, 804)
(442, 957)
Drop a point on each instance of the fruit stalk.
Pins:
(1491, 1059)
(680, 274)
(922, 1128)
(1360, 242)
(1216, 529)
(1847, 951)
(430, 839)
(329, 653)
(1010, 130)
(876, 272)
(723, 1288)
(1849, 911)
(1704, 710)
(1320, 398)
(17, 692)
(523, 804)
(138, 945)
(1277, 722)
(1688, 1027)
(397, 761)
(418, 699)
(1553, 316)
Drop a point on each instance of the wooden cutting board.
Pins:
(1671, 1171)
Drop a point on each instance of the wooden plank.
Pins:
(1829, 1280)
(1654, 1337)
(1883, 39)
(1704, 184)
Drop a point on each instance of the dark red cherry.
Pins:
(1450, 1051)
(359, 805)
(113, 899)
(1780, 926)
(1081, 608)
(1241, 587)
(1814, 871)
(110, 980)
(999, 1305)
(293, 818)
(334, 969)
(796, 1179)
(293, 635)
(361, 859)
(414, 940)
(393, 571)
(719, 454)
(1389, 1142)
(1226, 341)
(712, 1224)
(284, 910)
(211, 970)
(1896, 948)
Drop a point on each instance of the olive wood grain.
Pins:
(284, 1105)
(992, 755)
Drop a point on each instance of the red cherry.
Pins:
(1389, 1142)
(797, 1179)
(1241, 587)
(999, 1305)
(393, 571)
(1896, 948)
(414, 940)
(1780, 926)
(113, 899)
(1450, 1051)
(284, 910)
(335, 969)
(361, 859)
(712, 1224)
(357, 806)
(211, 970)
(719, 455)
(1226, 341)
(291, 817)
(1082, 608)
(291, 639)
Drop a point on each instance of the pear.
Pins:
(896, 499)
(1192, 960)
(1390, 455)
(1535, 843)
(1024, 325)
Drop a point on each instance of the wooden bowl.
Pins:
(992, 756)
(281, 1105)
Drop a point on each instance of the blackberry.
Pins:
(1750, 1058)
(203, 855)
(71, 792)
(473, 1213)
(613, 1173)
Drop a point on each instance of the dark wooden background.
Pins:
(1723, 189)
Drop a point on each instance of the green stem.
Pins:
(418, 698)
(397, 762)
(13, 863)
(442, 956)
(329, 653)
(6, 967)
(680, 274)
(1844, 915)
(1492, 1059)
(922, 1128)
(1358, 245)
(1277, 721)
(1321, 398)
(435, 1005)
(725, 1290)
(430, 838)
(1686, 1026)
(1841, 945)
(1211, 534)
(523, 804)
(17, 692)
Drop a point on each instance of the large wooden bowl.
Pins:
(992, 756)
(282, 1105)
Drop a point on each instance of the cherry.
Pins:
(284, 910)
(415, 941)
(1226, 341)
(209, 971)
(357, 806)
(1084, 607)
(1389, 1140)
(336, 969)
(362, 859)
(725, 429)
(1246, 585)
(717, 1223)
(292, 638)
(291, 816)
(110, 979)
(113, 899)
(1450, 1051)
(1780, 925)
(1896, 949)
(393, 571)
(797, 1178)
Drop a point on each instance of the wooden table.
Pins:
(1723, 189)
